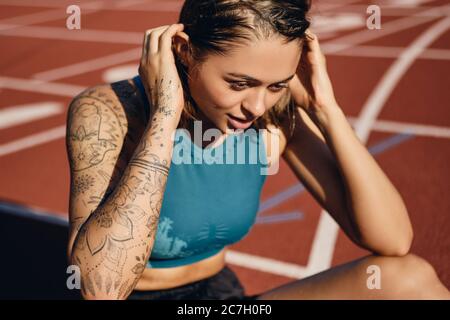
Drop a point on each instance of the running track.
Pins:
(392, 84)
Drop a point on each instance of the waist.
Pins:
(166, 278)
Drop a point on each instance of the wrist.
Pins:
(325, 116)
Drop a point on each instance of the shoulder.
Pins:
(117, 105)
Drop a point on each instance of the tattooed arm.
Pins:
(112, 240)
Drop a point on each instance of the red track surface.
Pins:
(38, 174)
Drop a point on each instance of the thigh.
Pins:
(350, 281)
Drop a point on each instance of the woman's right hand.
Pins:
(158, 71)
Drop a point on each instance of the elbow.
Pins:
(405, 246)
(397, 246)
(400, 250)
(404, 242)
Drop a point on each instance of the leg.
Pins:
(406, 277)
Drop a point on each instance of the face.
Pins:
(244, 84)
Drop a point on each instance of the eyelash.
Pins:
(235, 86)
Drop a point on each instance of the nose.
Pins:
(255, 103)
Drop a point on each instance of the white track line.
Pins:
(13, 116)
(328, 229)
(33, 18)
(52, 15)
(92, 35)
(118, 5)
(134, 54)
(322, 249)
(348, 41)
(33, 140)
(390, 79)
(40, 3)
(64, 34)
(408, 128)
(34, 85)
(158, 6)
(268, 265)
(90, 65)
(390, 52)
(415, 129)
(390, 11)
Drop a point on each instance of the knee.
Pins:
(409, 273)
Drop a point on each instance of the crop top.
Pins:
(207, 204)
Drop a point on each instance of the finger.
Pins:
(145, 46)
(154, 39)
(312, 41)
(145, 43)
(165, 41)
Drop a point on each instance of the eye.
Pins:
(238, 85)
(280, 86)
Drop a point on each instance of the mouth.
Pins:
(239, 123)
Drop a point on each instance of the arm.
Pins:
(378, 209)
(327, 155)
(345, 179)
(115, 238)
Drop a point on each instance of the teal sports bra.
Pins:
(208, 203)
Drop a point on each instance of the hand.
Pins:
(158, 71)
(311, 88)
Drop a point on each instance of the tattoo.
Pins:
(164, 99)
(161, 168)
(155, 164)
(122, 289)
(98, 280)
(156, 131)
(108, 283)
(89, 285)
(94, 133)
(82, 184)
(152, 222)
(114, 233)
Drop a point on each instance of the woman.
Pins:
(138, 232)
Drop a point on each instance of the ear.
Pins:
(181, 47)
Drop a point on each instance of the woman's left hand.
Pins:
(311, 88)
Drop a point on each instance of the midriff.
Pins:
(166, 278)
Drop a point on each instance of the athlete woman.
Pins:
(145, 227)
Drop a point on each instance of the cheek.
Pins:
(275, 98)
(220, 97)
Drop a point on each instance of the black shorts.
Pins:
(222, 286)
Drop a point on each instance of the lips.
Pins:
(238, 123)
(241, 120)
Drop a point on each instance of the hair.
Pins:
(219, 26)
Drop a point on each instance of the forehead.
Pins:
(266, 60)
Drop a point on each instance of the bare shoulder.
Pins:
(116, 105)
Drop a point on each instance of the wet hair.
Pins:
(219, 26)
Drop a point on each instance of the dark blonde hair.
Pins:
(218, 26)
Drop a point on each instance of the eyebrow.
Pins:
(246, 77)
